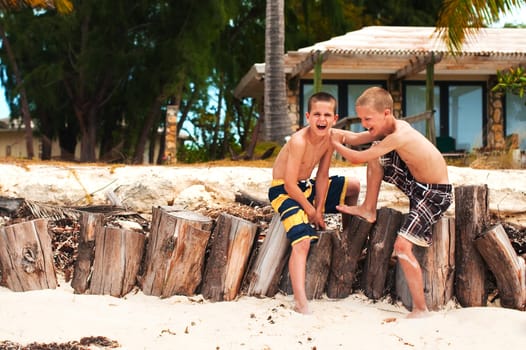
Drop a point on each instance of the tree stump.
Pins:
(438, 267)
(379, 251)
(26, 256)
(118, 256)
(508, 268)
(175, 252)
(347, 248)
(231, 246)
(317, 269)
(471, 216)
(265, 272)
(90, 223)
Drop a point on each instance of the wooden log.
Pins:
(379, 251)
(265, 272)
(118, 256)
(347, 248)
(317, 269)
(509, 269)
(26, 256)
(90, 223)
(231, 246)
(438, 268)
(175, 252)
(471, 216)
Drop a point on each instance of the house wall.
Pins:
(12, 145)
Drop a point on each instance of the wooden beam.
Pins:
(308, 63)
(417, 64)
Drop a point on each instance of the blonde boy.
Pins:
(404, 157)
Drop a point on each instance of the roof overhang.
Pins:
(399, 52)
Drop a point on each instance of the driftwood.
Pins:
(317, 269)
(265, 272)
(90, 223)
(471, 216)
(438, 267)
(250, 200)
(175, 252)
(379, 251)
(347, 248)
(231, 245)
(26, 256)
(118, 256)
(508, 268)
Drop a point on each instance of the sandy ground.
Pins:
(137, 321)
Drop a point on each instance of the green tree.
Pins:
(461, 18)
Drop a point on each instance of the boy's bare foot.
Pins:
(418, 314)
(305, 310)
(359, 211)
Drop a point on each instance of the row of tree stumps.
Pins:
(187, 253)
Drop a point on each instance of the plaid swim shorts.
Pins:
(427, 202)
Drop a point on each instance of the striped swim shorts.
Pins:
(293, 217)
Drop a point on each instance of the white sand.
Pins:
(137, 321)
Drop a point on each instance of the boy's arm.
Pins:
(386, 145)
(322, 185)
(352, 138)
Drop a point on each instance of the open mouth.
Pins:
(321, 127)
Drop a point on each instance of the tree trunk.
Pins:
(438, 267)
(277, 123)
(152, 116)
(118, 256)
(347, 249)
(24, 104)
(26, 256)
(509, 269)
(471, 216)
(379, 251)
(317, 269)
(175, 252)
(90, 224)
(265, 273)
(231, 245)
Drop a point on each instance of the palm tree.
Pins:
(62, 6)
(461, 18)
(277, 124)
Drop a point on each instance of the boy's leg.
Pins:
(297, 270)
(413, 276)
(367, 210)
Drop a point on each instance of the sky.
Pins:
(516, 17)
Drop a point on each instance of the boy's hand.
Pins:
(337, 137)
(317, 220)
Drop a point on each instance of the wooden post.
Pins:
(26, 256)
(90, 223)
(231, 245)
(264, 274)
(317, 269)
(379, 251)
(471, 216)
(347, 248)
(175, 252)
(438, 267)
(508, 268)
(118, 256)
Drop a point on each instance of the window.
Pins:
(515, 109)
(459, 112)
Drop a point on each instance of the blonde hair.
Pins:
(377, 98)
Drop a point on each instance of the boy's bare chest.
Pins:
(313, 155)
